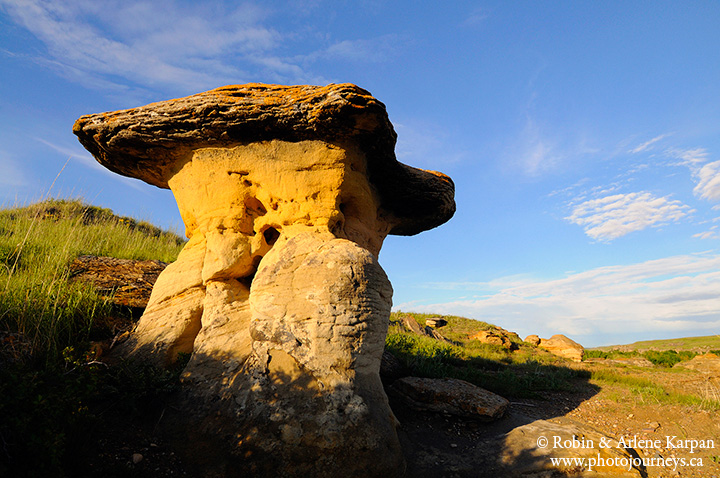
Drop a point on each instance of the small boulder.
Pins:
(434, 334)
(436, 322)
(411, 324)
(563, 347)
(450, 396)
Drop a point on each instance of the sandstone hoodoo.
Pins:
(287, 193)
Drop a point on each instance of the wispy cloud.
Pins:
(118, 45)
(708, 177)
(476, 17)
(691, 157)
(611, 217)
(371, 50)
(666, 295)
(538, 153)
(149, 43)
(85, 159)
(648, 145)
(706, 174)
(712, 233)
(540, 149)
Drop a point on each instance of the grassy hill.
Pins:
(519, 370)
(38, 242)
(693, 344)
(52, 395)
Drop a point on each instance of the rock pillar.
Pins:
(287, 194)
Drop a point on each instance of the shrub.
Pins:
(668, 358)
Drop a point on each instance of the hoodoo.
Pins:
(287, 193)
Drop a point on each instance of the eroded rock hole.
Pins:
(336, 228)
(271, 235)
(238, 173)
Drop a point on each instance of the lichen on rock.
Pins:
(287, 194)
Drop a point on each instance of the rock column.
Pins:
(287, 194)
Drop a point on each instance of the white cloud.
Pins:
(187, 46)
(149, 43)
(708, 177)
(712, 233)
(618, 303)
(648, 145)
(611, 217)
(689, 157)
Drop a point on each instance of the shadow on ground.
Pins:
(146, 438)
(437, 445)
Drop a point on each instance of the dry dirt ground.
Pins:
(444, 446)
(438, 446)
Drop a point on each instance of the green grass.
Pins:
(38, 242)
(664, 358)
(53, 397)
(649, 391)
(519, 372)
(696, 344)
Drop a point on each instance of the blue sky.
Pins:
(583, 137)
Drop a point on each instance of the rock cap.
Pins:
(149, 142)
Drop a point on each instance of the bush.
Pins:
(668, 358)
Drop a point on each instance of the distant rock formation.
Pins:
(706, 363)
(532, 340)
(493, 338)
(287, 194)
(411, 325)
(559, 345)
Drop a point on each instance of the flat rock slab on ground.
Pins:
(450, 396)
(129, 282)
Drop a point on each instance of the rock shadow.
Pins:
(441, 445)
(261, 422)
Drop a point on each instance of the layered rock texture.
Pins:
(287, 194)
(125, 282)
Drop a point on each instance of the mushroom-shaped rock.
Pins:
(287, 193)
(153, 142)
